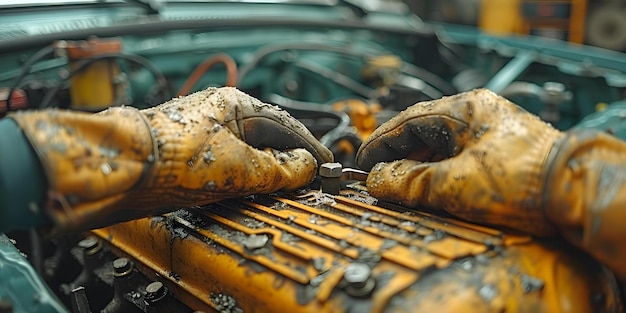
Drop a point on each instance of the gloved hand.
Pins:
(480, 157)
(475, 155)
(124, 163)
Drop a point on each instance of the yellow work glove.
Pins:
(124, 163)
(474, 155)
(480, 157)
(585, 194)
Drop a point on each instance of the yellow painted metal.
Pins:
(362, 115)
(578, 21)
(290, 254)
(504, 17)
(95, 86)
(500, 17)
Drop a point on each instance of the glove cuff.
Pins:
(585, 192)
(90, 160)
(574, 170)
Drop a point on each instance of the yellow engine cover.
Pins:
(320, 253)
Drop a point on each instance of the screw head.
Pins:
(154, 287)
(90, 245)
(358, 277)
(122, 266)
(330, 170)
(554, 87)
(155, 291)
(357, 273)
(255, 241)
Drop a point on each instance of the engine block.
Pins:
(314, 252)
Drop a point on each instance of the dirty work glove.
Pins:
(124, 163)
(475, 155)
(480, 157)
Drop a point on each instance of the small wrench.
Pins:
(353, 174)
(333, 174)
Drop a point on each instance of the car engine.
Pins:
(342, 68)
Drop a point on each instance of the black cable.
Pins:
(160, 78)
(338, 78)
(421, 86)
(26, 70)
(342, 130)
(310, 109)
(36, 251)
(430, 78)
(453, 57)
(263, 52)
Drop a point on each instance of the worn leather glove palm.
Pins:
(474, 155)
(125, 163)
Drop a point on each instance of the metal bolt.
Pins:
(553, 95)
(358, 276)
(122, 267)
(254, 241)
(291, 85)
(330, 170)
(331, 173)
(155, 291)
(488, 292)
(90, 245)
(530, 284)
(155, 287)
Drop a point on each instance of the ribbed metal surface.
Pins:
(297, 248)
(318, 230)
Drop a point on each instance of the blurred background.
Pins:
(600, 23)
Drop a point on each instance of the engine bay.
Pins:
(342, 68)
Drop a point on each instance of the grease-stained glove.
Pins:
(480, 157)
(124, 163)
(585, 194)
(475, 155)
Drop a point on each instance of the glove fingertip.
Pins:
(393, 181)
(298, 166)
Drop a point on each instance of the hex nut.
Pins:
(255, 241)
(357, 273)
(155, 287)
(122, 267)
(358, 277)
(90, 245)
(330, 170)
(155, 291)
